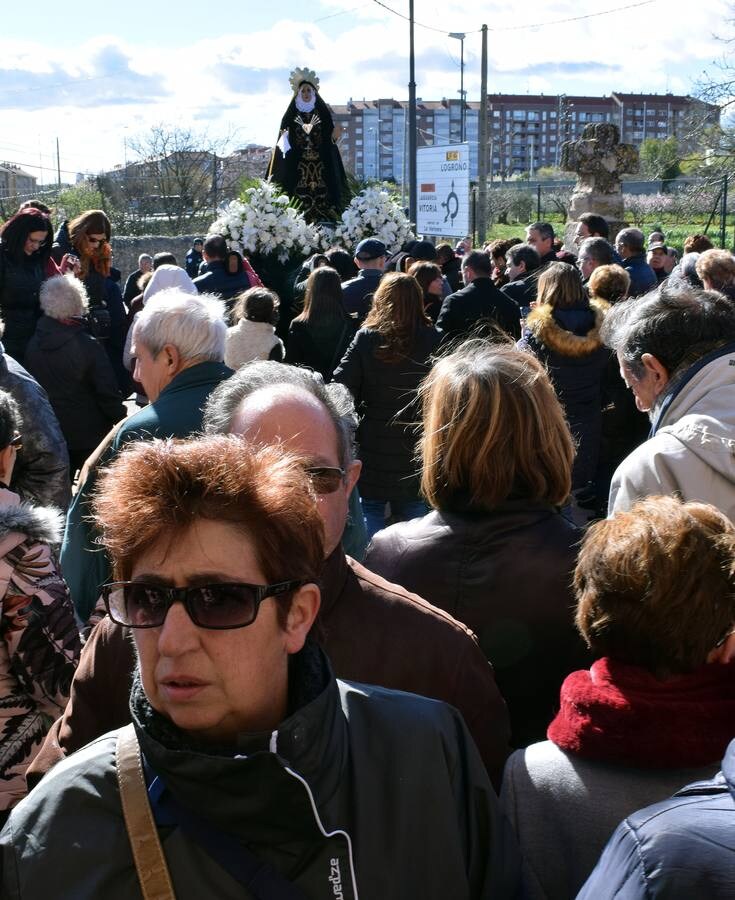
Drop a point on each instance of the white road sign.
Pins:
(443, 176)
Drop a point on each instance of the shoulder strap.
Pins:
(150, 863)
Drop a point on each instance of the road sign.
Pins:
(443, 175)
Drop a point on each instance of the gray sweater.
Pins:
(564, 808)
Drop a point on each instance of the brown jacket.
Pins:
(373, 632)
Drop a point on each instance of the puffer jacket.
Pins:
(385, 397)
(568, 342)
(361, 790)
(40, 643)
(506, 574)
(41, 470)
(76, 373)
(690, 452)
(678, 850)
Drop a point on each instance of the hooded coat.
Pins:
(690, 452)
(568, 342)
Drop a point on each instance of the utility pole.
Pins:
(58, 165)
(482, 146)
(412, 192)
(214, 182)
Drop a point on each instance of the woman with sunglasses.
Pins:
(248, 768)
(25, 263)
(40, 643)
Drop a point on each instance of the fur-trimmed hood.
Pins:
(41, 523)
(546, 330)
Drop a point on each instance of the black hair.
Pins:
(10, 420)
(215, 246)
(524, 253)
(478, 261)
(545, 230)
(164, 259)
(597, 225)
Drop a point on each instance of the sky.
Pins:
(99, 81)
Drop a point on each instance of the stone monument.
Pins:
(599, 159)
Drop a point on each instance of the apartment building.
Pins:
(15, 182)
(525, 132)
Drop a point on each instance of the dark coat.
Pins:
(77, 375)
(41, 470)
(177, 412)
(568, 342)
(319, 345)
(373, 631)
(507, 575)
(217, 280)
(385, 397)
(131, 289)
(480, 302)
(642, 276)
(192, 262)
(357, 293)
(521, 292)
(679, 849)
(20, 284)
(452, 271)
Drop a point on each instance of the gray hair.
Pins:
(598, 249)
(632, 238)
(63, 297)
(677, 326)
(194, 324)
(145, 257)
(225, 400)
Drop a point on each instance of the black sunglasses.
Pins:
(139, 604)
(325, 479)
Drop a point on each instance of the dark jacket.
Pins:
(521, 292)
(20, 284)
(385, 397)
(359, 790)
(217, 280)
(480, 302)
(78, 378)
(357, 293)
(507, 575)
(642, 276)
(192, 262)
(452, 271)
(131, 289)
(568, 342)
(176, 413)
(679, 849)
(319, 345)
(372, 630)
(41, 470)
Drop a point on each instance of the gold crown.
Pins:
(300, 75)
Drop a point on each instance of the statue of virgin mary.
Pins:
(306, 161)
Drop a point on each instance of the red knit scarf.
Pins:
(623, 714)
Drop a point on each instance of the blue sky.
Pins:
(98, 80)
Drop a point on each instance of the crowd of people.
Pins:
(418, 583)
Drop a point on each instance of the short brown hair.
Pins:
(697, 243)
(492, 426)
(609, 283)
(155, 490)
(560, 286)
(717, 266)
(655, 585)
(425, 273)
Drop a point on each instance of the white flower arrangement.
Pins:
(263, 222)
(374, 213)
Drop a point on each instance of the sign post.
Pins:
(443, 176)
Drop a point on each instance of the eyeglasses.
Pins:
(17, 441)
(325, 479)
(219, 606)
(36, 243)
(92, 240)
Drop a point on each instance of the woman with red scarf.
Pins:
(655, 593)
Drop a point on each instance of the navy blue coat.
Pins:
(217, 280)
(357, 293)
(567, 341)
(642, 276)
(680, 849)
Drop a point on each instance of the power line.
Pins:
(606, 12)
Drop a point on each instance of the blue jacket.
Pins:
(642, 276)
(215, 279)
(680, 849)
(357, 293)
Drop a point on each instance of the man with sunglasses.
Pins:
(373, 631)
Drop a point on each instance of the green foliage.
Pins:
(76, 199)
(660, 159)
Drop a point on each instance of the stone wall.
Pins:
(126, 250)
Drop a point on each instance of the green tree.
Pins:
(660, 159)
(74, 200)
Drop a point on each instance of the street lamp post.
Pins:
(460, 36)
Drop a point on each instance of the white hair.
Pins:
(63, 297)
(195, 325)
(144, 256)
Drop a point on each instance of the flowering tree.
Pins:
(373, 213)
